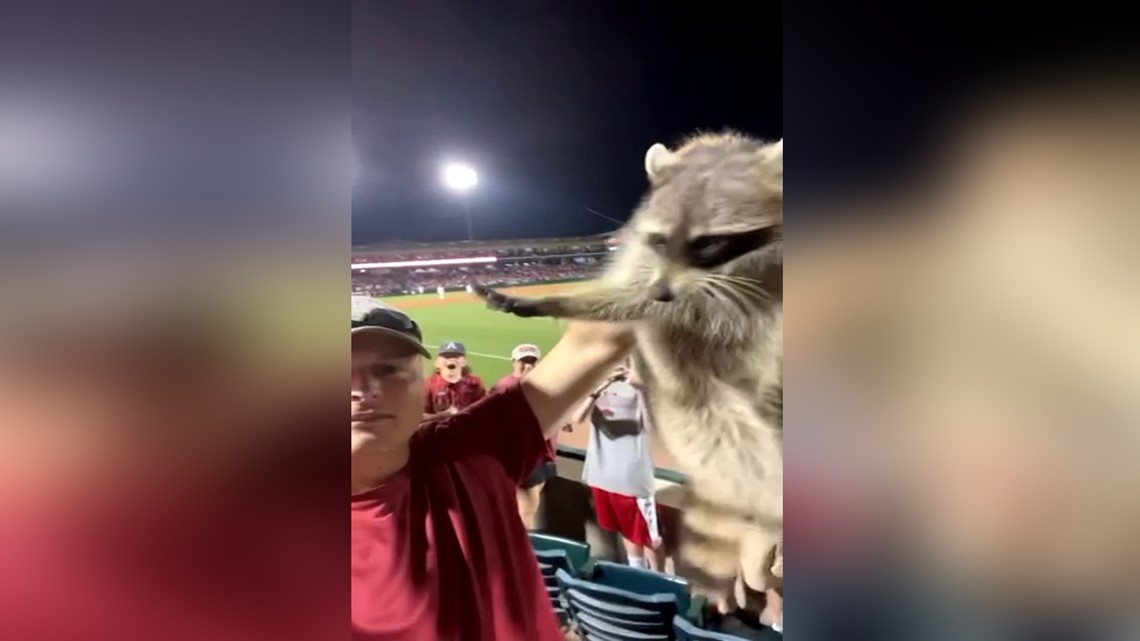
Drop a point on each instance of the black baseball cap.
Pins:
(370, 315)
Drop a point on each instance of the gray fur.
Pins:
(712, 358)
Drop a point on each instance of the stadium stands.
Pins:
(609, 601)
(550, 562)
(403, 270)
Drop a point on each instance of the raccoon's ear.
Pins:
(657, 160)
(773, 153)
(771, 167)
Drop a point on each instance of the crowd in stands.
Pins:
(412, 280)
(500, 252)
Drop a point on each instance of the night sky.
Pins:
(554, 103)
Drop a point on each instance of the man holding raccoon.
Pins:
(439, 551)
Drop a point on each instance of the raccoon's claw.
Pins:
(487, 294)
(495, 300)
(504, 303)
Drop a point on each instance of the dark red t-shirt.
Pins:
(440, 395)
(439, 551)
(549, 451)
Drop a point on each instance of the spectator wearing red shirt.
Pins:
(523, 359)
(438, 550)
(453, 386)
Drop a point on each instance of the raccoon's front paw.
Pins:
(773, 613)
(504, 303)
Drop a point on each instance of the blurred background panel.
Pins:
(174, 225)
(962, 303)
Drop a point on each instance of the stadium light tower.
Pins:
(461, 179)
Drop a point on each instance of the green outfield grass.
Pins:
(488, 335)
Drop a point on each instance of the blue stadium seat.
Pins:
(686, 631)
(641, 581)
(646, 581)
(596, 629)
(632, 615)
(577, 551)
(605, 612)
(550, 561)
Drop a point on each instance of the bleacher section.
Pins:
(605, 601)
(401, 268)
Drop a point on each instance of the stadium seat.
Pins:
(644, 581)
(641, 581)
(578, 552)
(549, 561)
(596, 629)
(602, 611)
(686, 631)
(634, 616)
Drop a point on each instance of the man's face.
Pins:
(387, 392)
(524, 365)
(450, 363)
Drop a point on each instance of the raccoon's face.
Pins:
(713, 223)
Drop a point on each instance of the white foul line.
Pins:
(496, 356)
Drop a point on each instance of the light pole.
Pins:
(461, 178)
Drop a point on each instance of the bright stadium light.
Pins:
(459, 177)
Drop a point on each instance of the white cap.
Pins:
(526, 350)
(618, 402)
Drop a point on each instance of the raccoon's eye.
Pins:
(712, 251)
(657, 242)
(707, 250)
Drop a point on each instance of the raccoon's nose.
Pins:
(661, 292)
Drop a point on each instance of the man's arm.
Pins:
(587, 352)
(581, 416)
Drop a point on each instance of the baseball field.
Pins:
(488, 335)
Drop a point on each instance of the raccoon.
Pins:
(699, 272)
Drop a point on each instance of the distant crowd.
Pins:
(503, 252)
(571, 263)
